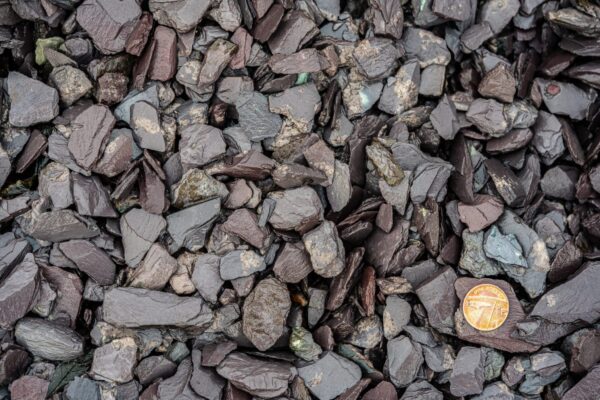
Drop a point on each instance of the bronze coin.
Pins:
(485, 307)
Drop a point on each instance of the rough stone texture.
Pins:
(108, 22)
(268, 379)
(325, 249)
(134, 308)
(403, 360)
(139, 229)
(330, 376)
(264, 313)
(114, 362)
(19, 292)
(31, 101)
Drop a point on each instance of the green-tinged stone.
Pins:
(494, 361)
(353, 353)
(41, 44)
(302, 78)
(196, 186)
(473, 258)
(17, 188)
(384, 163)
(503, 248)
(303, 345)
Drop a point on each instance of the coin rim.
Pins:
(467, 318)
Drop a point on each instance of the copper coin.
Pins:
(485, 307)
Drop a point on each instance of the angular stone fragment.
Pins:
(489, 117)
(503, 248)
(340, 190)
(587, 388)
(482, 213)
(214, 353)
(429, 181)
(240, 263)
(90, 259)
(304, 61)
(109, 24)
(368, 332)
(255, 117)
(154, 367)
(265, 312)
(474, 258)
(49, 340)
(200, 144)
(559, 182)
(31, 101)
(29, 387)
(396, 316)
(36, 145)
(505, 182)
(376, 58)
(566, 98)
(404, 359)
(532, 278)
(19, 292)
(91, 130)
(72, 83)
(303, 345)
(196, 186)
(12, 252)
(139, 35)
(114, 362)
(426, 47)
(55, 182)
(245, 224)
(118, 153)
(498, 83)
(5, 166)
(548, 137)
(384, 163)
(292, 263)
(330, 376)
(205, 381)
(326, 250)
(422, 390)
(299, 104)
(583, 347)
(177, 386)
(13, 363)
(82, 389)
(296, 29)
(296, 209)
(219, 54)
(139, 230)
(183, 15)
(573, 300)
(159, 62)
(155, 270)
(189, 227)
(206, 277)
(61, 225)
(359, 96)
(437, 295)
(267, 379)
(135, 308)
(146, 127)
(467, 375)
(91, 197)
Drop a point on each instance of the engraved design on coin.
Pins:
(485, 307)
